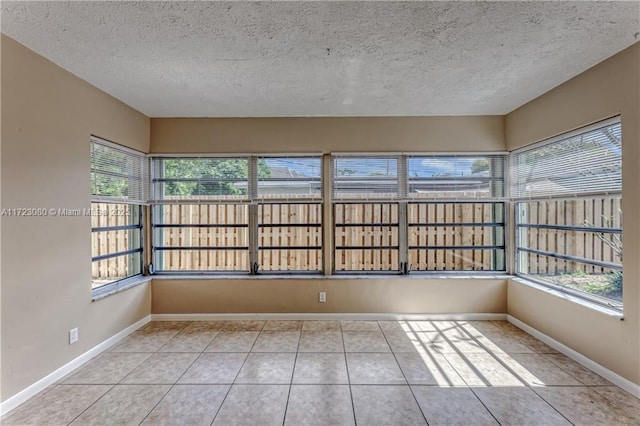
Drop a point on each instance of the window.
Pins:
(366, 237)
(397, 213)
(116, 240)
(374, 177)
(456, 236)
(568, 212)
(456, 216)
(201, 237)
(118, 189)
(290, 237)
(242, 214)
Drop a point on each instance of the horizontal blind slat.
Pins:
(589, 162)
(118, 174)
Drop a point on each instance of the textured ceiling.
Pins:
(236, 59)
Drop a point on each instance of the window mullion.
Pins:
(253, 238)
(403, 238)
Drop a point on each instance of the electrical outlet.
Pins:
(73, 335)
(322, 297)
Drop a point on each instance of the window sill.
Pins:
(609, 311)
(119, 286)
(351, 276)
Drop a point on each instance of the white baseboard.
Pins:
(50, 379)
(330, 316)
(614, 378)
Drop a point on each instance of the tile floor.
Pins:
(330, 373)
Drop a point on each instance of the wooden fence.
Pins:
(360, 228)
(456, 259)
(281, 247)
(106, 242)
(597, 213)
(429, 225)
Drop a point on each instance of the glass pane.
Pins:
(362, 236)
(484, 228)
(290, 214)
(232, 232)
(431, 213)
(588, 162)
(366, 213)
(109, 215)
(456, 260)
(109, 186)
(289, 177)
(116, 173)
(468, 236)
(366, 260)
(202, 260)
(358, 177)
(108, 242)
(367, 225)
(289, 236)
(590, 258)
(201, 214)
(290, 260)
(456, 177)
(113, 269)
(203, 178)
(201, 237)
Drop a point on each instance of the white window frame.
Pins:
(520, 198)
(253, 199)
(403, 198)
(136, 179)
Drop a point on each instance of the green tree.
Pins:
(204, 176)
(480, 165)
(109, 169)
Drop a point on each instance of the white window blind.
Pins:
(288, 178)
(459, 177)
(200, 179)
(367, 177)
(118, 173)
(588, 161)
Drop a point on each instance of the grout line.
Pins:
(234, 379)
(405, 378)
(470, 387)
(395, 354)
(346, 363)
(174, 384)
(551, 405)
(92, 404)
(293, 371)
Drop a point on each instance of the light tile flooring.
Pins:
(330, 373)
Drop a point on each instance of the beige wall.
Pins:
(608, 89)
(344, 295)
(362, 134)
(47, 117)
(348, 134)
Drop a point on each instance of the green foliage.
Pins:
(103, 162)
(346, 172)
(615, 283)
(209, 176)
(611, 288)
(480, 165)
